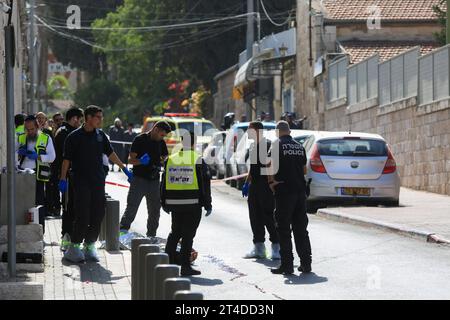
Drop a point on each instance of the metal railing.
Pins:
(337, 79)
(434, 76)
(397, 77)
(362, 80)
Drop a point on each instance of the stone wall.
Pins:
(419, 137)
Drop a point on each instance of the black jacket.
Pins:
(60, 138)
(204, 183)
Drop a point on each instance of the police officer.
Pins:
(260, 197)
(185, 189)
(83, 153)
(35, 151)
(288, 184)
(74, 117)
(19, 120)
(147, 155)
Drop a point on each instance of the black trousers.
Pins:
(290, 216)
(89, 210)
(68, 209)
(54, 199)
(184, 227)
(261, 205)
(41, 200)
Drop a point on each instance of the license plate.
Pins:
(355, 192)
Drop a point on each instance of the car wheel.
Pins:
(393, 203)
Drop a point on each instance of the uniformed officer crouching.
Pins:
(287, 182)
(185, 189)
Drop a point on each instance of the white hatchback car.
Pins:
(350, 167)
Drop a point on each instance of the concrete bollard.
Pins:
(112, 225)
(143, 250)
(188, 295)
(163, 272)
(173, 285)
(151, 261)
(135, 243)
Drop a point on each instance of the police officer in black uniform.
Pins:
(288, 184)
(74, 117)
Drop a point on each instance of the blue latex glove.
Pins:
(145, 160)
(62, 186)
(22, 152)
(208, 212)
(32, 155)
(245, 190)
(129, 174)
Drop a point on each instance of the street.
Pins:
(349, 261)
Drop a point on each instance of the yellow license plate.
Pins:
(356, 191)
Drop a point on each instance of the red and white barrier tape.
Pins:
(212, 181)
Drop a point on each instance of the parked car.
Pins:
(241, 158)
(204, 129)
(351, 167)
(234, 136)
(214, 152)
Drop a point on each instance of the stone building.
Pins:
(379, 69)
(18, 21)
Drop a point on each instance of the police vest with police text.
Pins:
(181, 182)
(42, 168)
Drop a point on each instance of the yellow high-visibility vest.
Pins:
(181, 179)
(42, 168)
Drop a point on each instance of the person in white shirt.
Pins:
(35, 151)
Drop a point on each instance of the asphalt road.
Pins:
(349, 262)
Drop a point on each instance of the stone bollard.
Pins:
(112, 225)
(135, 243)
(151, 261)
(163, 272)
(173, 285)
(188, 295)
(143, 250)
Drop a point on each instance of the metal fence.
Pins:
(362, 80)
(434, 76)
(337, 79)
(397, 77)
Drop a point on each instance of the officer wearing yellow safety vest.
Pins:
(185, 189)
(36, 151)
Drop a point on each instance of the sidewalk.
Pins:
(421, 214)
(108, 280)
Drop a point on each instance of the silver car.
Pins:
(350, 167)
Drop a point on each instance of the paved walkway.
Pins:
(108, 280)
(419, 211)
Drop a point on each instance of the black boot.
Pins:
(189, 271)
(282, 270)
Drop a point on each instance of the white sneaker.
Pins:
(276, 251)
(258, 252)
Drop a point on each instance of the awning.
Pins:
(243, 74)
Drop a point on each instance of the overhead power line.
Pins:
(271, 20)
(160, 27)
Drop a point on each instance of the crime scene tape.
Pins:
(212, 181)
(121, 142)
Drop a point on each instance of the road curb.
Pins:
(367, 222)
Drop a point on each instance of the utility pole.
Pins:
(33, 55)
(448, 21)
(11, 135)
(251, 28)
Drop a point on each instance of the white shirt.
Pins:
(47, 158)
